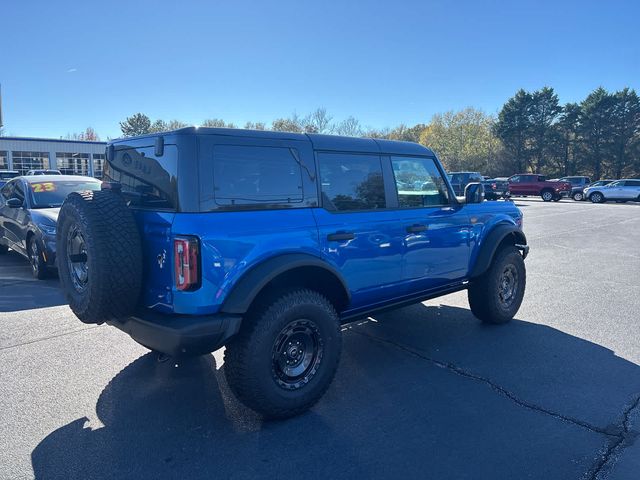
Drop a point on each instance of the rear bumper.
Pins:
(180, 335)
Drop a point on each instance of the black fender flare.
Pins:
(252, 282)
(491, 243)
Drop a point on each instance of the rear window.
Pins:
(246, 175)
(147, 181)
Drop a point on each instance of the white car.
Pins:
(621, 191)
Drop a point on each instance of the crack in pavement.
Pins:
(619, 434)
(48, 337)
(614, 448)
(501, 390)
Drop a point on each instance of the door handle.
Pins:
(416, 228)
(340, 236)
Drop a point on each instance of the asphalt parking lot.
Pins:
(422, 392)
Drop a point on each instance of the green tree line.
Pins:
(532, 132)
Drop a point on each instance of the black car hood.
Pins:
(45, 215)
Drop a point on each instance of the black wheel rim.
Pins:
(508, 286)
(34, 257)
(297, 353)
(77, 259)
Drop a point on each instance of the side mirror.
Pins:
(474, 193)
(14, 203)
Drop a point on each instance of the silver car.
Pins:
(621, 191)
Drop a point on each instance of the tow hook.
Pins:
(524, 249)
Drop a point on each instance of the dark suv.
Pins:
(267, 242)
(578, 184)
(459, 180)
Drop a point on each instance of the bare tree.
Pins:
(349, 127)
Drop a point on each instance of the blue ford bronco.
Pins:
(266, 242)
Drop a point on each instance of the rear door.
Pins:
(359, 233)
(435, 229)
(631, 189)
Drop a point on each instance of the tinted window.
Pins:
(256, 175)
(419, 182)
(351, 182)
(516, 179)
(632, 183)
(147, 181)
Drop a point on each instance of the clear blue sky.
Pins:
(67, 65)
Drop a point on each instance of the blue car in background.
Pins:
(266, 242)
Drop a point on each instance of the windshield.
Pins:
(52, 194)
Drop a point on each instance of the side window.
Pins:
(539, 178)
(7, 191)
(475, 177)
(256, 175)
(633, 183)
(351, 181)
(18, 191)
(419, 182)
(516, 179)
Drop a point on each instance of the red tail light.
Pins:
(186, 255)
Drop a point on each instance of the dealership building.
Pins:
(71, 157)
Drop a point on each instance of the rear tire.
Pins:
(546, 195)
(496, 295)
(286, 355)
(99, 256)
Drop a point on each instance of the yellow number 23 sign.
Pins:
(43, 187)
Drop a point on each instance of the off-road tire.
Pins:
(249, 357)
(546, 195)
(113, 256)
(484, 291)
(38, 265)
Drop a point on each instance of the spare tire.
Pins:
(99, 256)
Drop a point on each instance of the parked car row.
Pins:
(577, 187)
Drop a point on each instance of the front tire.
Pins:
(38, 265)
(286, 355)
(596, 197)
(578, 196)
(547, 195)
(496, 295)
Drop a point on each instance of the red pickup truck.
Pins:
(527, 184)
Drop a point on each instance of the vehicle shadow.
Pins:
(20, 291)
(402, 404)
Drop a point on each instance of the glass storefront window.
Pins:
(98, 164)
(4, 162)
(73, 163)
(25, 161)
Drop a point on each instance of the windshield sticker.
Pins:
(43, 187)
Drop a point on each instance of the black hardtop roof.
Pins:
(319, 142)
